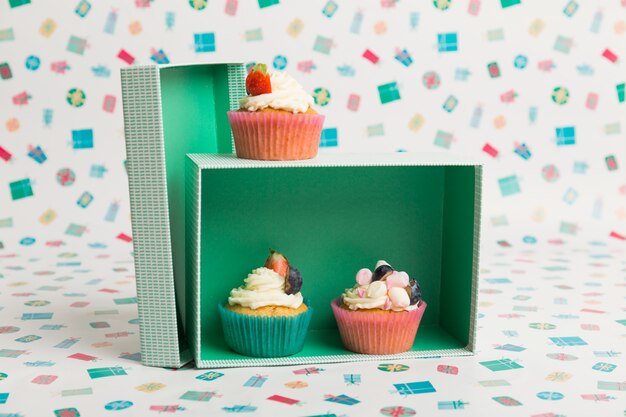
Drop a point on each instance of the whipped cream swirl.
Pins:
(287, 94)
(366, 296)
(264, 287)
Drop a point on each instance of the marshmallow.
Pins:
(364, 276)
(381, 262)
(397, 279)
(399, 298)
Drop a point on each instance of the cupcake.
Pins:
(381, 313)
(267, 316)
(275, 120)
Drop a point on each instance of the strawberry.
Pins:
(258, 80)
(278, 263)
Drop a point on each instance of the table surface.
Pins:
(551, 342)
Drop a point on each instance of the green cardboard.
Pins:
(332, 216)
(196, 99)
(169, 111)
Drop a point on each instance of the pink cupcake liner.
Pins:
(377, 333)
(275, 136)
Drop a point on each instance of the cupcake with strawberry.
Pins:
(275, 120)
(380, 315)
(267, 316)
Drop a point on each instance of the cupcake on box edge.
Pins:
(267, 317)
(380, 315)
(275, 120)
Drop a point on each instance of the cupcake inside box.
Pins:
(330, 221)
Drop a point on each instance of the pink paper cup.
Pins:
(274, 136)
(377, 333)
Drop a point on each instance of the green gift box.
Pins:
(17, 3)
(21, 189)
(332, 216)
(169, 111)
(201, 224)
(95, 373)
(612, 385)
(501, 365)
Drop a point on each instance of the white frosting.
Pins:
(287, 94)
(264, 287)
(354, 301)
(376, 295)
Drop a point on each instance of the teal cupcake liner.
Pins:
(265, 337)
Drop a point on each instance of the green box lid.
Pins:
(169, 111)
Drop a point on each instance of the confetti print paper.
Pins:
(535, 90)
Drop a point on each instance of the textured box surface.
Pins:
(168, 112)
(332, 216)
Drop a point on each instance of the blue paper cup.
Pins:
(263, 336)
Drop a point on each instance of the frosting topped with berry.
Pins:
(285, 93)
(264, 287)
(275, 284)
(384, 289)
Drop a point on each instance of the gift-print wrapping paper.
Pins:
(533, 89)
(551, 329)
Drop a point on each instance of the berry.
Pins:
(278, 263)
(293, 283)
(258, 81)
(382, 272)
(414, 291)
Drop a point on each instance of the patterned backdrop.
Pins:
(534, 89)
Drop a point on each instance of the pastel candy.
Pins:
(360, 292)
(381, 262)
(364, 276)
(397, 280)
(399, 298)
(377, 289)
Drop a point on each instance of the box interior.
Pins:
(330, 222)
(194, 101)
